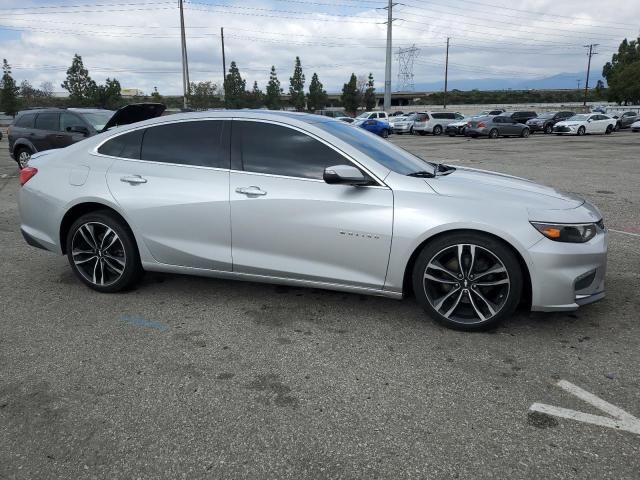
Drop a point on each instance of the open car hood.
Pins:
(134, 112)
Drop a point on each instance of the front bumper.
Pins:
(565, 276)
(565, 129)
(453, 130)
(535, 127)
(401, 128)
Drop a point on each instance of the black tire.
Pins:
(452, 134)
(618, 127)
(437, 130)
(548, 129)
(411, 131)
(494, 133)
(132, 270)
(19, 156)
(385, 133)
(582, 131)
(525, 133)
(423, 133)
(483, 243)
(609, 130)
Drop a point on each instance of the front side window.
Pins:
(69, 120)
(47, 121)
(202, 143)
(279, 150)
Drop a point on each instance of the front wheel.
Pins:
(525, 133)
(23, 155)
(493, 133)
(385, 133)
(582, 131)
(548, 129)
(467, 281)
(102, 252)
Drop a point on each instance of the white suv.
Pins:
(382, 116)
(434, 122)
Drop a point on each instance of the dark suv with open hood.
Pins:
(46, 128)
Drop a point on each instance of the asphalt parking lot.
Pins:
(198, 378)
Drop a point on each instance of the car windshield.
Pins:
(382, 151)
(547, 115)
(97, 119)
(364, 115)
(579, 118)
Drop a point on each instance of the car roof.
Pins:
(59, 109)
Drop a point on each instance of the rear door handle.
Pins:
(134, 180)
(251, 191)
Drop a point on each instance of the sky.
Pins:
(138, 42)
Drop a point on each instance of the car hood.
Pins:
(485, 185)
(135, 112)
(566, 123)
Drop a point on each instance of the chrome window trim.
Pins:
(346, 156)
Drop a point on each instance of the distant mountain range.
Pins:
(560, 81)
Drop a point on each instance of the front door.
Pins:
(287, 222)
(173, 182)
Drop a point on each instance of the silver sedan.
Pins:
(310, 201)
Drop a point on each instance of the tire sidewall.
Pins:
(498, 248)
(493, 134)
(132, 269)
(581, 131)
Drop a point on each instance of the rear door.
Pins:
(172, 180)
(46, 131)
(287, 222)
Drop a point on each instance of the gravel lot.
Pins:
(199, 378)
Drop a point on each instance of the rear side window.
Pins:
(25, 121)
(203, 143)
(279, 150)
(48, 121)
(124, 146)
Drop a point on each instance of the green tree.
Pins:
(350, 98)
(203, 95)
(79, 84)
(626, 84)
(107, 96)
(8, 91)
(627, 56)
(296, 87)
(273, 99)
(255, 98)
(234, 88)
(369, 97)
(317, 98)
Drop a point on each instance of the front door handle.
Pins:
(251, 191)
(134, 180)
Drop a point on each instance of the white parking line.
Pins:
(621, 420)
(625, 233)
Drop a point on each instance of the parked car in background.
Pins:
(434, 122)
(373, 115)
(331, 113)
(587, 123)
(520, 116)
(458, 127)
(494, 127)
(625, 119)
(403, 124)
(346, 119)
(43, 129)
(398, 113)
(545, 121)
(378, 127)
(491, 113)
(311, 202)
(635, 127)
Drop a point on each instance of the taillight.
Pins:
(482, 125)
(26, 174)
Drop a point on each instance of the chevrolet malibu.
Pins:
(310, 201)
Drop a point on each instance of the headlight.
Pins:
(569, 233)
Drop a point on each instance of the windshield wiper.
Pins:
(421, 174)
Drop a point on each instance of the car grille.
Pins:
(562, 129)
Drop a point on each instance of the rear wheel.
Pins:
(582, 131)
(102, 252)
(493, 133)
(437, 130)
(23, 155)
(467, 280)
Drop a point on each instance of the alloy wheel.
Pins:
(98, 254)
(23, 158)
(466, 283)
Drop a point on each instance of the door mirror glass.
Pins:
(344, 175)
(78, 129)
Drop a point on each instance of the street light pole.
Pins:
(387, 70)
(185, 60)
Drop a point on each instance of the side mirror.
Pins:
(344, 175)
(78, 129)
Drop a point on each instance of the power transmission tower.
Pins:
(446, 75)
(591, 54)
(406, 58)
(185, 60)
(387, 69)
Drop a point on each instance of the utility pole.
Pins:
(224, 62)
(446, 75)
(387, 70)
(185, 60)
(591, 54)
